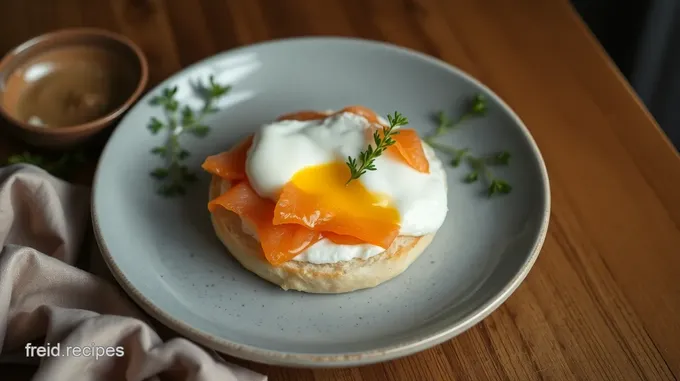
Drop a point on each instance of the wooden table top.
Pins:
(602, 301)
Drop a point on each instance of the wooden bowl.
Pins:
(62, 88)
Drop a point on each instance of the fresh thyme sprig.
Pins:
(476, 107)
(59, 167)
(180, 119)
(366, 161)
(478, 165)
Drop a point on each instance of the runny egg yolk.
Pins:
(320, 198)
(328, 182)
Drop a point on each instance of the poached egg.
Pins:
(300, 166)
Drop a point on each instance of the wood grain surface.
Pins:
(603, 300)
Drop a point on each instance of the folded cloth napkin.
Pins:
(97, 332)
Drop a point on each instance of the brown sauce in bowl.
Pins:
(72, 85)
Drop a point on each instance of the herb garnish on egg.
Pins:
(174, 174)
(367, 157)
(479, 165)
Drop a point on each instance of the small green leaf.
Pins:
(376, 138)
(216, 90)
(503, 187)
(156, 101)
(182, 154)
(444, 121)
(499, 186)
(155, 125)
(501, 158)
(189, 177)
(200, 130)
(17, 159)
(397, 119)
(187, 116)
(208, 108)
(160, 150)
(219, 91)
(160, 173)
(478, 107)
(441, 118)
(471, 177)
(26, 158)
(169, 92)
(171, 105)
(458, 157)
(14, 159)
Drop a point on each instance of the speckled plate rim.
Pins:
(401, 349)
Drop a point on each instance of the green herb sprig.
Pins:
(479, 166)
(366, 161)
(58, 167)
(476, 108)
(179, 120)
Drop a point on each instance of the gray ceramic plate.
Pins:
(166, 256)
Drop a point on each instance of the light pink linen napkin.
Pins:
(99, 334)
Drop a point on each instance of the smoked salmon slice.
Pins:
(230, 165)
(410, 148)
(303, 115)
(342, 239)
(280, 243)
